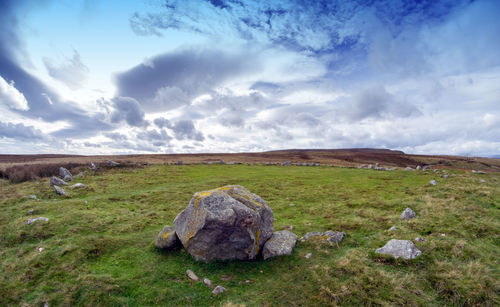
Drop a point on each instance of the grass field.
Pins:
(101, 252)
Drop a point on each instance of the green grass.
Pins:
(102, 252)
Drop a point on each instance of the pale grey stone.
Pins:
(41, 218)
(191, 275)
(281, 243)
(400, 248)
(418, 168)
(77, 185)
(79, 175)
(167, 238)
(112, 163)
(59, 190)
(433, 182)
(56, 181)
(478, 172)
(408, 214)
(228, 223)
(92, 166)
(30, 211)
(309, 235)
(218, 290)
(286, 163)
(334, 236)
(393, 228)
(308, 255)
(419, 239)
(65, 174)
(207, 282)
(482, 181)
(32, 196)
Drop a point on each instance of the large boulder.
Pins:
(167, 238)
(65, 174)
(56, 181)
(228, 223)
(281, 243)
(400, 248)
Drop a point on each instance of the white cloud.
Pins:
(11, 97)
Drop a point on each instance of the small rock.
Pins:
(167, 238)
(408, 168)
(30, 211)
(56, 181)
(65, 174)
(291, 205)
(477, 172)
(443, 235)
(191, 275)
(93, 166)
(288, 227)
(207, 282)
(408, 214)
(59, 190)
(281, 243)
(226, 277)
(32, 196)
(418, 168)
(482, 181)
(453, 175)
(400, 248)
(31, 221)
(179, 162)
(112, 163)
(419, 239)
(392, 228)
(308, 255)
(309, 235)
(218, 290)
(286, 163)
(445, 176)
(40, 249)
(433, 182)
(77, 185)
(85, 202)
(334, 236)
(79, 175)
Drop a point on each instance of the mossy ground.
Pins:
(102, 253)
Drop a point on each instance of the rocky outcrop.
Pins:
(167, 238)
(281, 243)
(65, 174)
(56, 181)
(228, 223)
(400, 248)
(408, 214)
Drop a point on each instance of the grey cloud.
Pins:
(162, 122)
(376, 102)
(71, 72)
(128, 109)
(20, 131)
(184, 129)
(173, 79)
(88, 144)
(154, 135)
(115, 136)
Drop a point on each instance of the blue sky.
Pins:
(117, 77)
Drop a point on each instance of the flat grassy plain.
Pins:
(98, 245)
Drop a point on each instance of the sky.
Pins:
(178, 76)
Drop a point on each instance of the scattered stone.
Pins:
(59, 190)
(79, 175)
(218, 290)
(443, 235)
(334, 236)
(85, 202)
(309, 235)
(400, 248)
(392, 228)
(32, 196)
(167, 238)
(369, 166)
(418, 168)
(478, 172)
(191, 275)
(289, 227)
(281, 243)
(408, 214)
(31, 221)
(243, 282)
(286, 163)
(482, 181)
(453, 175)
(408, 168)
(65, 174)
(179, 162)
(308, 255)
(226, 277)
(56, 181)
(291, 205)
(445, 176)
(30, 211)
(40, 249)
(426, 167)
(77, 185)
(207, 282)
(93, 166)
(433, 182)
(228, 223)
(112, 163)
(419, 239)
